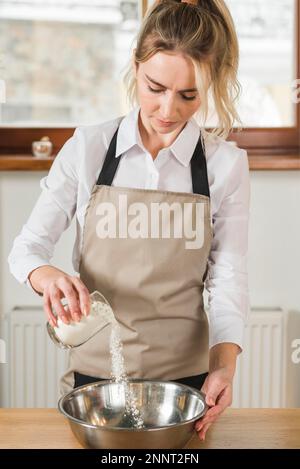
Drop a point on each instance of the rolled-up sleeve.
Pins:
(51, 215)
(227, 277)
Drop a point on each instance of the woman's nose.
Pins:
(168, 109)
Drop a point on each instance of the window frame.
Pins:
(257, 141)
(275, 140)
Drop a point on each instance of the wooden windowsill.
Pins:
(25, 163)
(256, 162)
(274, 163)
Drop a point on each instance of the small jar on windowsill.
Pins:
(42, 148)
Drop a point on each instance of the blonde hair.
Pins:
(204, 31)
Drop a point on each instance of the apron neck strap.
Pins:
(198, 167)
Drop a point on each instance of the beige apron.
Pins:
(154, 283)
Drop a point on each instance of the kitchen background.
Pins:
(61, 64)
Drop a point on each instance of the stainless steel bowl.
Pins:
(96, 414)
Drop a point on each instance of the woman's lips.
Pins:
(165, 124)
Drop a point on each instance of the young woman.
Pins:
(158, 155)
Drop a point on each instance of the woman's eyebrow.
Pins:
(162, 86)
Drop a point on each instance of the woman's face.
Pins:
(167, 91)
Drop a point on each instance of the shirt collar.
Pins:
(182, 148)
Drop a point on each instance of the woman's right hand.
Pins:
(54, 284)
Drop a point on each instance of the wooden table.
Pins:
(237, 428)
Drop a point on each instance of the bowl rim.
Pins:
(198, 393)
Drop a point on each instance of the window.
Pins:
(269, 36)
(62, 60)
(61, 64)
(266, 31)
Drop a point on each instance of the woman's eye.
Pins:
(183, 97)
(153, 90)
(189, 99)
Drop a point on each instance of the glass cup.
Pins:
(68, 336)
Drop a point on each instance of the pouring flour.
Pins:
(77, 333)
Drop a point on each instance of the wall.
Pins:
(274, 240)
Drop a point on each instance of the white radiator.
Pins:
(259, 376)
(34, 362)
(265, 376)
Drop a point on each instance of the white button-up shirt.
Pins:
(67, 189)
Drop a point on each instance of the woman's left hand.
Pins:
(218, 390)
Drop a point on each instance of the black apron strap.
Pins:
(110, 164)
(198, 167)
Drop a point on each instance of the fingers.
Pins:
(73, 290)
(219, 393)
(84, 296)
(71, 295)
(77, 297)
(48, 310)
(218, 390)
(202, 433)
(210, 417)
(213, 412)
(225, 398)
(60, 311)
(214, 387)
(213, 392)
